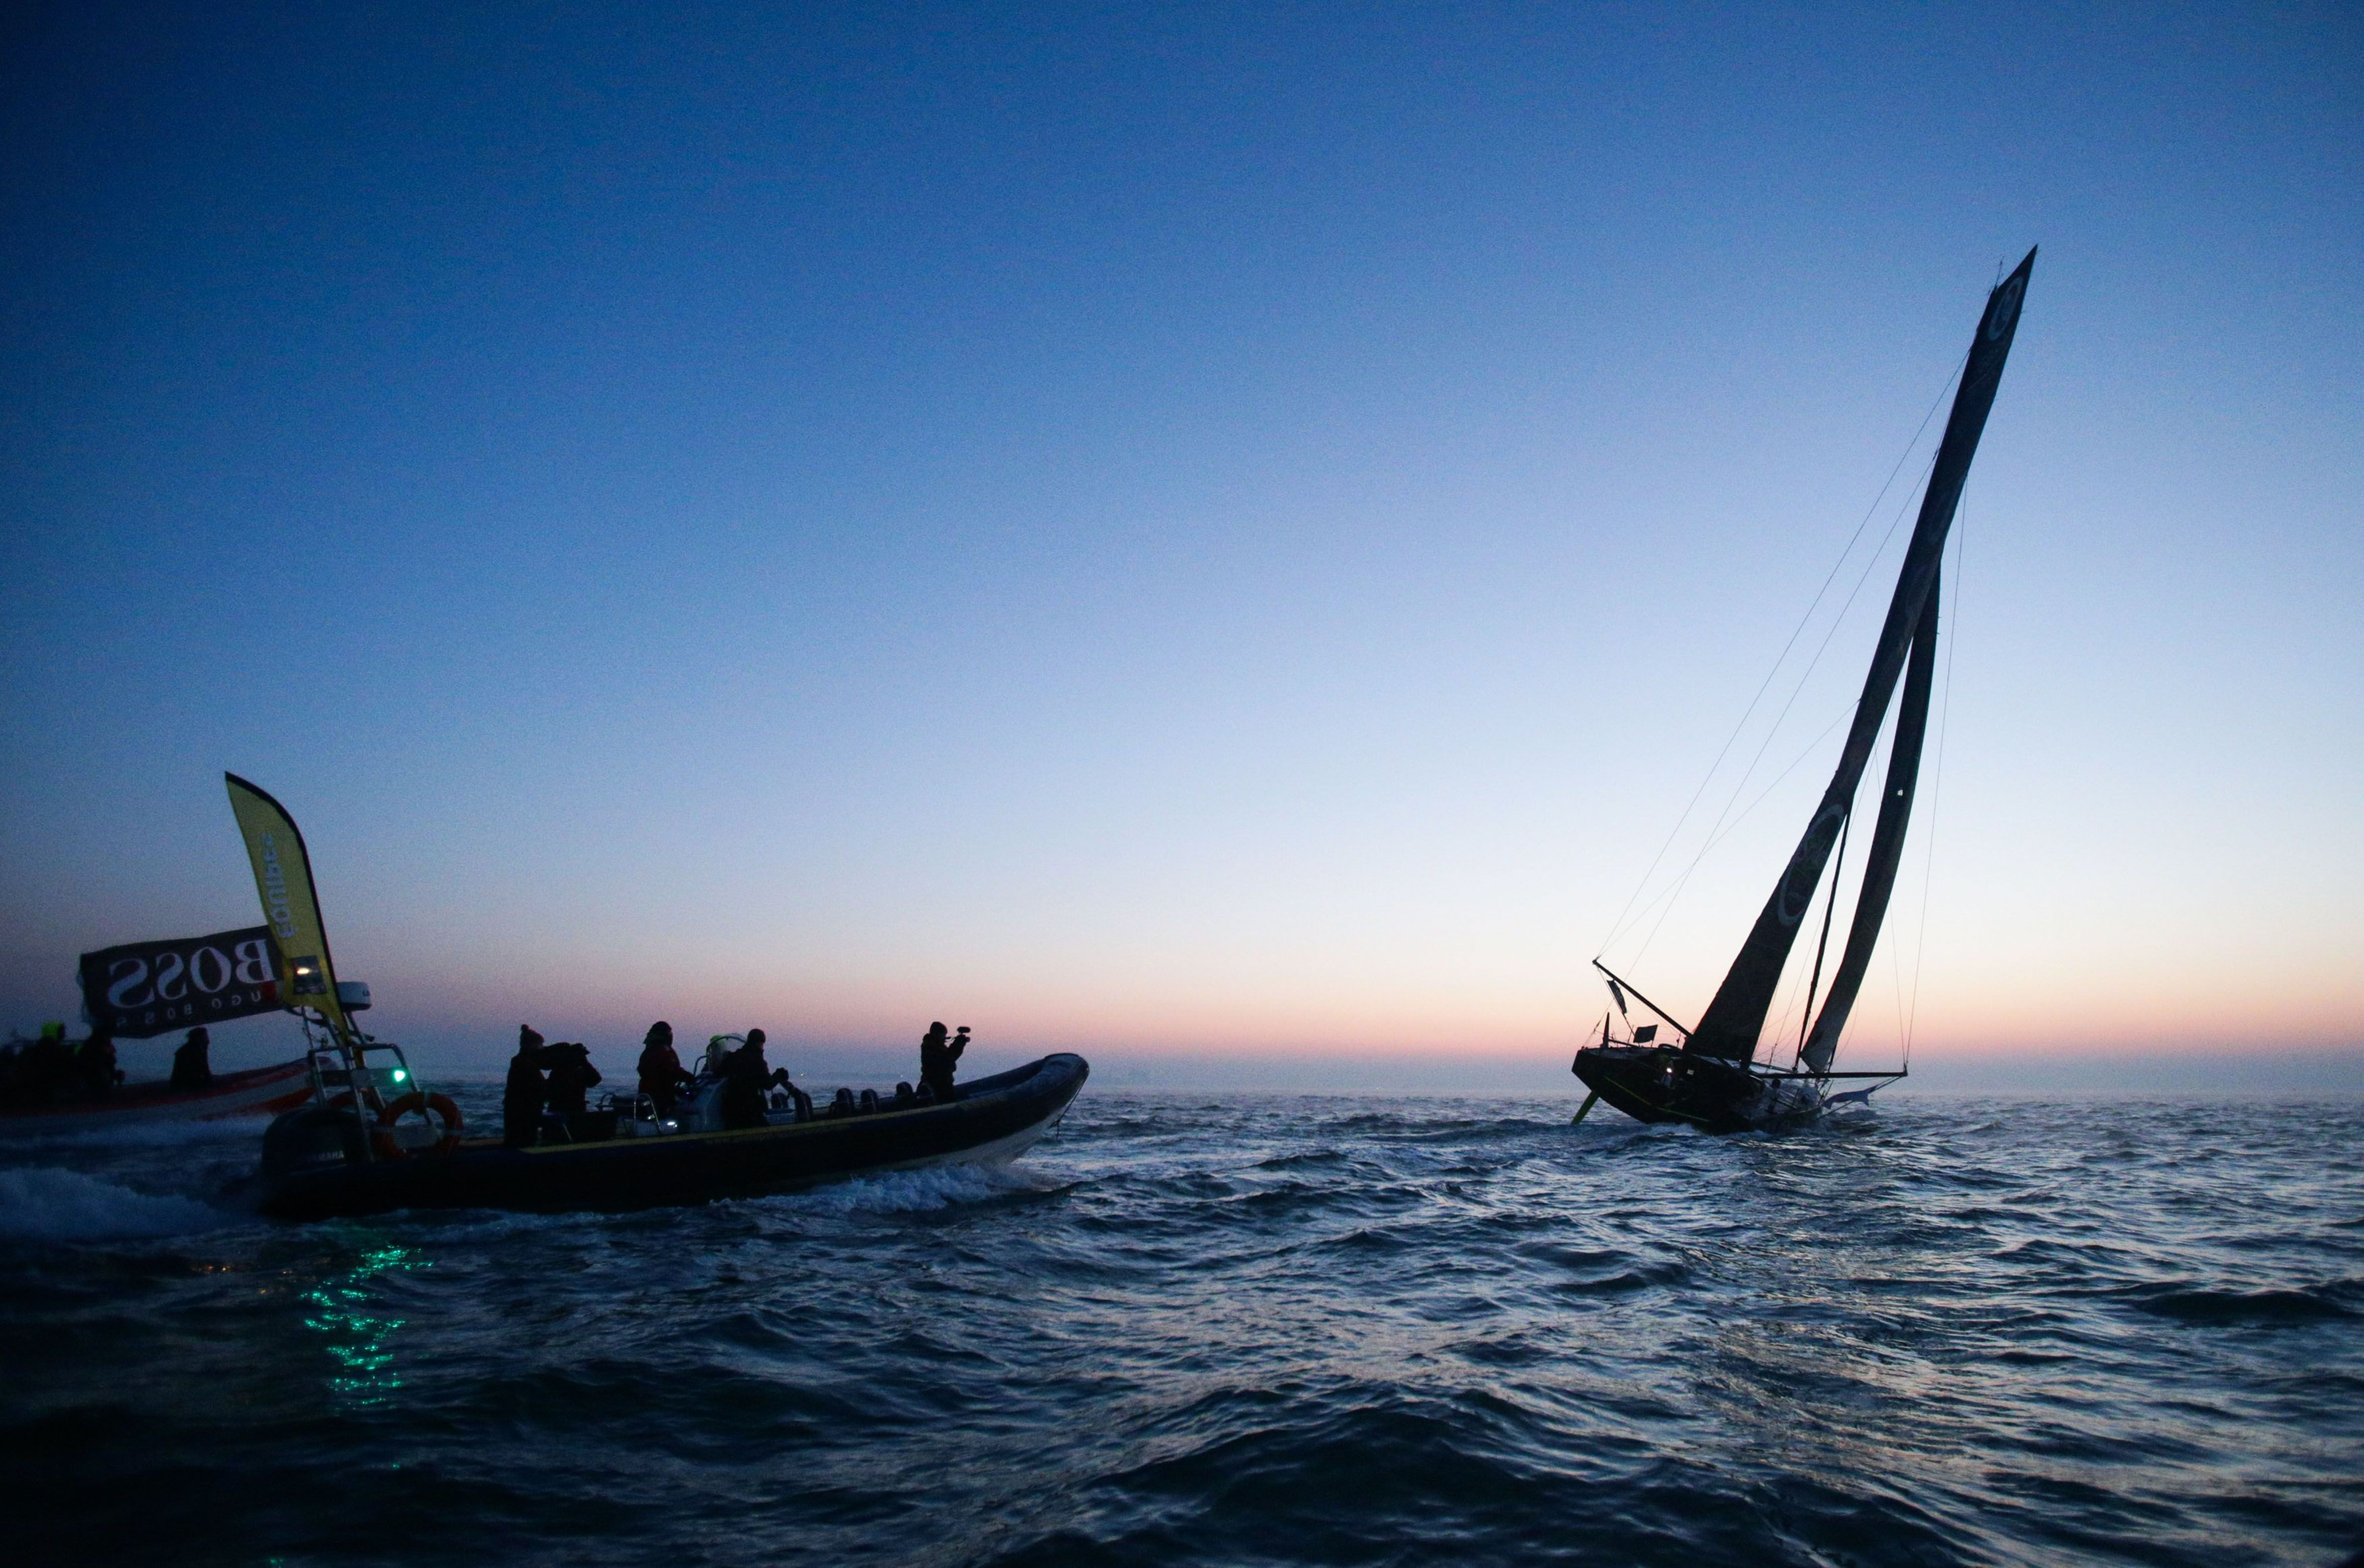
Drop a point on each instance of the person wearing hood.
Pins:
(191, 1070)
(527, 1092)
(663, 1077)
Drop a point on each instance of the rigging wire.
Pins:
(1775, 783)
(1840, 619)
(1618, 926)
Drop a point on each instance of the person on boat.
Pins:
(746, 1079)
(572, 1077)
(526, 1093)
(191, 1070)
(46, 1070)
(939, 1057)
(96, 1060)
(663, 1077)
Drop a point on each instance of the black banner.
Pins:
(148, 988)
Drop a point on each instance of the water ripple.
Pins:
(1258, 1330)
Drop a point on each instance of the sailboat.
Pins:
(1710, 1074)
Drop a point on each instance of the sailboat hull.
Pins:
(1658, 1084)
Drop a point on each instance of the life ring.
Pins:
(381, 1138)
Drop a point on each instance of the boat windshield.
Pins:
(385, 1070)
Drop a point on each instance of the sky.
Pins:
(1220, 538)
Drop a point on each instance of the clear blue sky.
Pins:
(1211, 530)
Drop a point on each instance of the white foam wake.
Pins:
(45, 1204)
(908, 1192)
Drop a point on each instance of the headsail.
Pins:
(1887, 842)
(1732, 1020)
(282, 876)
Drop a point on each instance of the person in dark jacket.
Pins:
(191, 1070)
(572, 1077)
(937, 1059)
(663, 1078)
(746, 1078)
(49, 1067)
(527, 1091)
(96, 1063)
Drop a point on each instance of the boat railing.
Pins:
(383, 1081)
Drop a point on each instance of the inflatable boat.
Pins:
(257, 1090)
(329, 1159)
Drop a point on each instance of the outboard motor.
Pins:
(311, 1137)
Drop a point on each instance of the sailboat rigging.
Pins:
(1712, 1078)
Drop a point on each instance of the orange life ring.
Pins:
(382, 1141)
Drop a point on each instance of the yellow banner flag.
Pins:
(283, 875)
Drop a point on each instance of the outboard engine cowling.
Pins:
(310, 1137)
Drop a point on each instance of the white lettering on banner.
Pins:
(199, 970)
(168, 977)
(125, 976)
(253, 963)
(275, 889)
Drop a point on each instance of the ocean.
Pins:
(1235, 1330)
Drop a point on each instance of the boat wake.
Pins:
(240, 1130)
(47, 1203)
(916, 1192)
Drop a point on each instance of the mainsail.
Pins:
(282, 876)
(1729, 1026)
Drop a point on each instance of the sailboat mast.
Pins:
(1734, 1019)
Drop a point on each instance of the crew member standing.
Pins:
(572, 1077)
(746, 1079)
(663, 1077)
(938, 1058)
(526, 1093)
(191, 1070)
(96, 1060)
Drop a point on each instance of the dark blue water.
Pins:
(1250, 1330)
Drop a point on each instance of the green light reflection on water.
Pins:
(360, 1338)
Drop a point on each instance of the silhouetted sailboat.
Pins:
(1711, 1078)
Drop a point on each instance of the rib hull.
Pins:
(995, 1119)
(257, 1090)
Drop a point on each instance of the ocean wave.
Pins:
(1265, 1330)
(2268, 1307)
(50, 1204)
(193, 1133)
